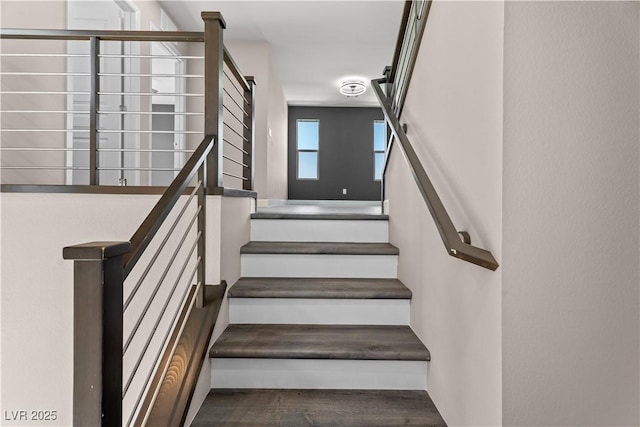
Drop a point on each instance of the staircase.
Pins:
(318, 332)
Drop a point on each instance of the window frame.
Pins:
(307, 150)
(383, 151)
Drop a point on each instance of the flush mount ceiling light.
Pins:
(352, 87)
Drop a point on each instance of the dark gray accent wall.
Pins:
(345, 155)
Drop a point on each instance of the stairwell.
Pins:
(319, 330)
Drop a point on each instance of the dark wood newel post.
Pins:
(97, 332)
(213, 122)
(248, 158)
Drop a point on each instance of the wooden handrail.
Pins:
(448, 232)
(113, 35)
(149, 227)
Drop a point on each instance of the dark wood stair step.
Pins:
(325, 216)
(259, 287)
(351, 342)
(314, 248)
(297, 408)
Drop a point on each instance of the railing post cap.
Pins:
(250, 79)
(96, 250)
(213, 16)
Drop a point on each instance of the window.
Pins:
(379, 145)
(307, 145)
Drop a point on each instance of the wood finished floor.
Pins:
(314, 248)
(354, 342)
(298, 408)
(288, 287)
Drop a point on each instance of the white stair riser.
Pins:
(332, 266)
(319, 373)
(278, 230)
(319, 311)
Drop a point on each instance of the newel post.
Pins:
(213, 93)
(97, 332)
(248, 157)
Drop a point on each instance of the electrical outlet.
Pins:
(344, 191)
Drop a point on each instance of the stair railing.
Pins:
(397, 79)
(143, 313)
(77, 109)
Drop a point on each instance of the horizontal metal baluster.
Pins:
(175, 132)
(159, 318)
(141, 150)
(150, 75)
(182, 302)
(155, 291)
(149, 56)
(234, 146)
(44, 111)
(41, 149)
(72, 168)
(235, 87)
(44, 55)
(27, 73)
(151, 113)
(144, 274)
(138, 169)
(236, 132)
(44, 130)
(235, 117)
(234, 161)
(235, 176)
(35, 92)
(233, 99)
(151, 94)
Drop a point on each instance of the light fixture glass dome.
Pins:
(352, 87)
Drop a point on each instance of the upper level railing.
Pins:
(143, 312)
(121, 108)
(396, 80)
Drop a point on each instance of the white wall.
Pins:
(454, 116)
(571, 237)
(37, 288)
(277, 142)
(254, 58)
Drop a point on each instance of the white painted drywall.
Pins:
(571, 236)
(454, 115)
(37, 286)
(277, 139)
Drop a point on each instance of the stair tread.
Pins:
(326, 248)
(266, 287)
(324, 216)
(295, 408)
(292, 341)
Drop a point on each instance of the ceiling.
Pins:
(315, 44)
